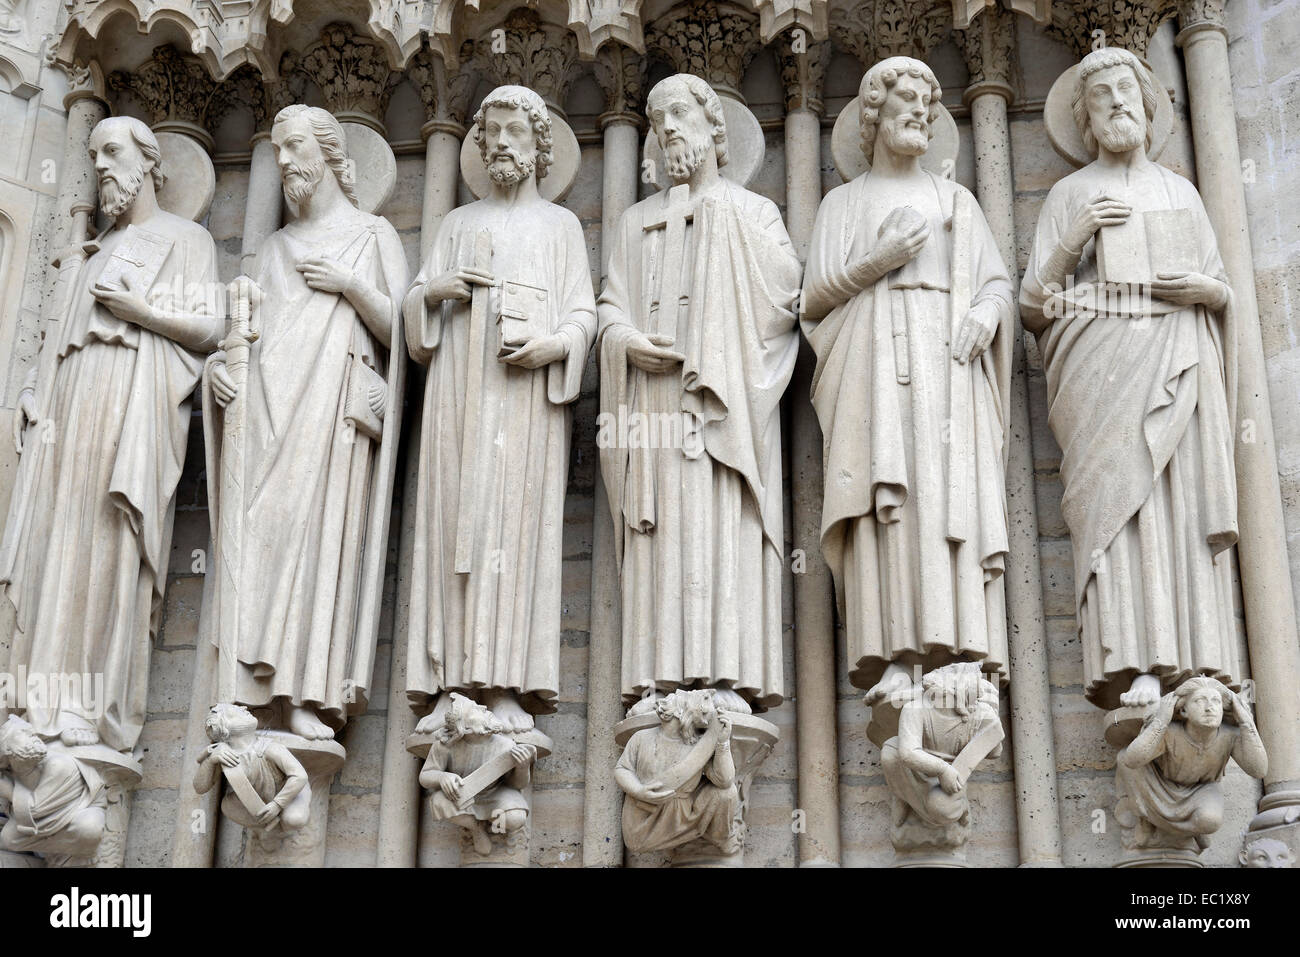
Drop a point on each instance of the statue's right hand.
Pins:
(24, 416)
(1101, 210)
(950, 780)
(244, 286)
(223, 387)
(450, 785)
(902, 236)
(225, 755)
(655, 793)
(652, 353)
(455, 284)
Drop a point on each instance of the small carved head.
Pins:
(693, 709)
(900, 101)
(467, 717)
(513, 134)
(1266, 852)
(1200, 700)
(1112, 84)
(959, 687)
(123, 150)
(686, 116)
(226, 719)
(307, 140)
(20, 742)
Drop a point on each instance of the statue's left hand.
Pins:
(1189, 289)
(268, 813)
(976, 333)
(125, 303)
(523, 753)
(539, 352)
(324, 274)
(950, 780)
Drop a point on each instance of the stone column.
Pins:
(620, 73)
(264, 203)
(1261, 549)
(86, 104)
(803, 74)
(989, 47)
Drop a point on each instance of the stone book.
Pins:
(1149, 243)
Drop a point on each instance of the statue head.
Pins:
(1266, 852)
(226, 719)
(513, 134)
(20, 744)
(692, 710)
(307, 140)
(123, 151)
(687, 119)
(900, 103)
(1200, 701)
(1114, 101)
(960, 687)
(467, 717)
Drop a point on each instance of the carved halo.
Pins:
(846, 144)
(1058, 117)
(559, 178)
(376, 166)
(191, 178)
(745, 145)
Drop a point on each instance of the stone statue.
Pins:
(307, 507)
(697, 344)
(503, 315)
(948, 725)
(102, 424)
(1266, 852)
(1127, 295)
(478, 774)
(56, 803)
(1167, 779)
(268, 786)
(908, 306)
(679, 779)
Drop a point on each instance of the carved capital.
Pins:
(803, 72)
(989, 48)
(875, 29)
(1084, 25)
(531, 53)
(175, 88)
(444, 92)
(1200, 14)
(85, 80)
(621, 75)
(714, 41)
(352, 72)
(777, 16)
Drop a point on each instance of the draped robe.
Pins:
(1141, 402)
(698, 526)
(86, 544)
(310, 481)
(914, 524)
(497, 623)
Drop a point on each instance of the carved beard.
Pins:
(304, 187)
(1121, 133)
(29, 753)
(522, 169)
(903, 139)
(116, 195)
(683, 157)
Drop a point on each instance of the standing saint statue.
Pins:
(102, 424)
(908, 307)
(1128, 297)
(503, 315)
(697, 344)
(313, 489)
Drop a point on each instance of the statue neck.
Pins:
(894, 165)
(1126, 161)
(327, 202)
(143, 208)
(516, 194)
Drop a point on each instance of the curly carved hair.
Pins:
(1104, 59)
(521, 98)
(876, 85)
(333, 143)
(704, 96)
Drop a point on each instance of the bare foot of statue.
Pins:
(509, 711)
(728, 699)
(1145, 690)
(304, 723)
(895, 679)
(76, 731)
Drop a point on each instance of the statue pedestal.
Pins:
(304, 846)
(752, 740)
(506, 851)
(930, 857)
(1160, 857)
